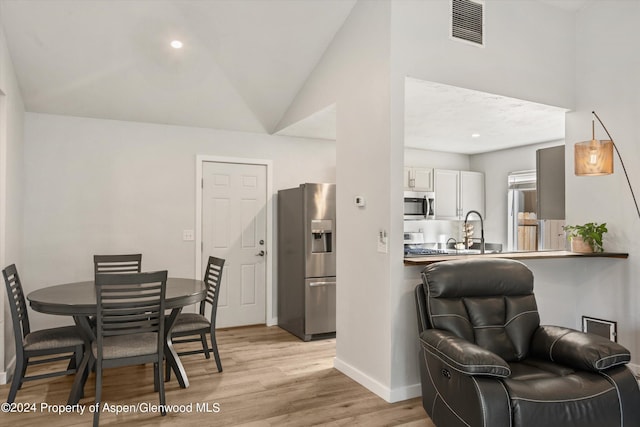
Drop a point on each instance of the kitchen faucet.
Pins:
(455, 244)
(466, 242)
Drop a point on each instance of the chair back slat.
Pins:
(130, 303)
(17, 302)
(212, 279)
(117, 264)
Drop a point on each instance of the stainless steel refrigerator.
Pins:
(307, 260)
(526, 231)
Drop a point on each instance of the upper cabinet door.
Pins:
(471, 192)
(418, 179)
(550, 182)
(423, 179)
(446, 194)
(408, 179)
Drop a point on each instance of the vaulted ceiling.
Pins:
(241, 64)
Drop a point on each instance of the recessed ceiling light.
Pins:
(475, 135)
(176, 44)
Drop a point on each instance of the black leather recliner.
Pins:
(485, 361)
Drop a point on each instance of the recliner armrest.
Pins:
(578, 350)
(462, 355)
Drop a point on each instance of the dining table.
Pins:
(78, 300)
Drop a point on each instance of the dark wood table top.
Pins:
(79, 298)
(524, 255)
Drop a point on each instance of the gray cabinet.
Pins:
(550, 182)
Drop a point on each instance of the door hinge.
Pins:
(201, 182)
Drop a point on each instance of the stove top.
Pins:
(417, 251)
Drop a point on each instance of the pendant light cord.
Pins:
(621, 161)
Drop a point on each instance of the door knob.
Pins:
(261, 253)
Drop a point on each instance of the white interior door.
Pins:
(234, 200)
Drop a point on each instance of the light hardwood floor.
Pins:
(270, 378)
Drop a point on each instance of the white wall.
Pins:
(608, 82)
(496, 166)
(110, 186)
(436, 159)
(366, 165)
(11, 181)
(528, 52)
(354, 74)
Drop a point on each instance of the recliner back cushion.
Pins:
(489, 302)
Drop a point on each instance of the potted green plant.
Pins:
(586, 237)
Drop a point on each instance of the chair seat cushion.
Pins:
(190, 322)
(47, 339)
(118, 346)
(531, 368)
(542, 401)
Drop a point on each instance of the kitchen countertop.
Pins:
(430, 259)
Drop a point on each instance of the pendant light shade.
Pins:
(593, 158)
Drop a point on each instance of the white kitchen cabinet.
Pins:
(471, 193)
(418, 179)
(446, 188)
(457, 192)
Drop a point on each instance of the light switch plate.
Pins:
(188, 235)
(383, 246)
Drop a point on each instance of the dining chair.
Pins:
(115, 264)
(197, 324)
(130, 326)
(63, 343)
(130, 263)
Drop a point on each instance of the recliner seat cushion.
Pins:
(531, 368)
(581, 398)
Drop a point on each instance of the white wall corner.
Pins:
(635, 369)
(388, 394)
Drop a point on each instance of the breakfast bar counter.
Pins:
(430, 259)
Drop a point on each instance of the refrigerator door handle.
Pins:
(314, 284)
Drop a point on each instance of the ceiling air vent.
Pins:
(467, 21)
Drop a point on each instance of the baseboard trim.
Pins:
(5, 376)
(405, 393)
(390, 395)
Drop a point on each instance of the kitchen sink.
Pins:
(463, 251)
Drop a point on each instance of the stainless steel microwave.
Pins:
(418, 205)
